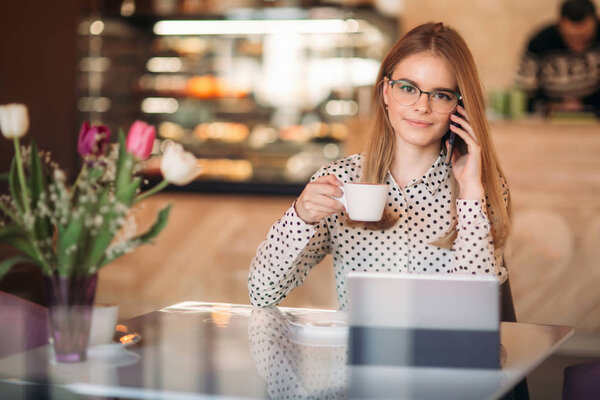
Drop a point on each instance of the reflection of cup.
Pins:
(104, 321)
(364, 201)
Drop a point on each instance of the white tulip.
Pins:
(178, 166)
(14, 120)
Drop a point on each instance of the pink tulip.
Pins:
(93, 140)
(140, 140)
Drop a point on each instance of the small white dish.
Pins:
(97, 359)
(318, 328)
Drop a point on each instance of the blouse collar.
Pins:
(434, 176)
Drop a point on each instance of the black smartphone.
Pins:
(455, 140)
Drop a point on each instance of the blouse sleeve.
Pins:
(283, 261)
(473, 248)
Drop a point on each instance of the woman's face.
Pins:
(418, 125)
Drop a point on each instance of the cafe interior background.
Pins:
(262, 112)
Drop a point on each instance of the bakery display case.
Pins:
(263, 96)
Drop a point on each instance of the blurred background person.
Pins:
(560, 68)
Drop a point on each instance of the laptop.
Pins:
(419, 320)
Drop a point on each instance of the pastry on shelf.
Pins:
(170, 130)
(230, 132)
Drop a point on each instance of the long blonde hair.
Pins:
(448, 44)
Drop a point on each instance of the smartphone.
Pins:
(455, 140)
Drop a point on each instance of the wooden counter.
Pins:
(554, 249)
(553, 253)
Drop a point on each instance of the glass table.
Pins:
(197, 350)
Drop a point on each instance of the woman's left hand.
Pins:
(466, 168)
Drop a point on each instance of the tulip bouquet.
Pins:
(74, 230)
(71, 231)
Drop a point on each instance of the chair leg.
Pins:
(521, 391)
(507, 307)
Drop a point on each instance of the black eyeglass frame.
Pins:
(393, 82)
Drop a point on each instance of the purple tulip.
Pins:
(93, 140)
(140, 140)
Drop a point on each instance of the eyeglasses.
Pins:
(407, 94)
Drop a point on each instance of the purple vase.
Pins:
(70, 305)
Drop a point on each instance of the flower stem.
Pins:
(75, 185)
(24, 193)
(152, 191)
(42, 261)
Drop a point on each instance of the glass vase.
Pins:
(70, 305)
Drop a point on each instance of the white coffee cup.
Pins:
(364, 201)
(104, 322)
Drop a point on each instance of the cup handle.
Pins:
(342, 198)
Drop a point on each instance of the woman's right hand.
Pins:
(316, 200)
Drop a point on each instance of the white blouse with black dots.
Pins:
(293, 247)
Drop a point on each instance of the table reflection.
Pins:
(295, 368)
(312, 363)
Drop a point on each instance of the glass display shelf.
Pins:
(261, 96)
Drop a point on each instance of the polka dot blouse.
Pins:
(293, 247)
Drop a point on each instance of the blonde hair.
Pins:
(448, 44)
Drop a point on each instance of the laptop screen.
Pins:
(424, 320)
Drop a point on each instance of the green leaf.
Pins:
(158, 226)
(129, 191)
(5, 209)
(38, 184)
(15, 237)
(67, 238)
(13, 183)
(6, 265)
(125, 165)
(145, 238)
(98, 244)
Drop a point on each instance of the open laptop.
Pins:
(419, 320)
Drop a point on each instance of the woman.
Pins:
(439, 218)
